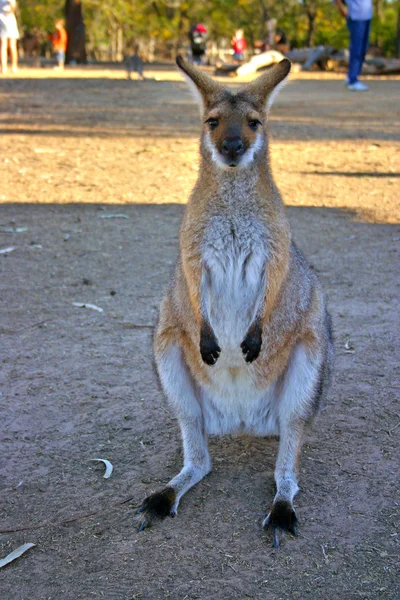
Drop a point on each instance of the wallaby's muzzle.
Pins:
(232, 149)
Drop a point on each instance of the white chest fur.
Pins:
(235, 252)
(233, 404)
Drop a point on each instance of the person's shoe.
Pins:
(14, 69)
(357, 86)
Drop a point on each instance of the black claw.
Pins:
(281, 518)
(143, 525)
(209, 359)
(249, 355)
(251, 344)
(209, 348)
(276, 538)
(210, 356)
(157, 506)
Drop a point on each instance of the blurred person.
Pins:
(281, 42)
(271, 28)
(239, 45)
(134, 63)
(9, 34)
(198, 42)
(59, 40)
(358, 14)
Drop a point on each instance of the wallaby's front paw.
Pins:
(251, 344)
(209, 348)
(157, 506)
(282, 518)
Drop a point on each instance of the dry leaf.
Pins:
(15, 229)
(109, 467)
(116, 216)
(84, 305)
(15, 554)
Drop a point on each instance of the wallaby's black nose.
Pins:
(232, 147)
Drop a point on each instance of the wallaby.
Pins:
(244, 341)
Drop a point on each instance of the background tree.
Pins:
(75, 26)
(114, 26)
(310, 9)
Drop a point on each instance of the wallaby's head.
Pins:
(234, 124)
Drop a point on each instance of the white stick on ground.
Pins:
(15, 554)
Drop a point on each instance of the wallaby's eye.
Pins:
(212, 123)
(254, 123)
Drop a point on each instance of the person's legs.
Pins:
(4, 44)
(367, 27)
(61, 60)
(357, 43)
(60, 57)
(14, 55)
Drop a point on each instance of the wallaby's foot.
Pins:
(209, 348)
(157, 507)
(282, 518)
(251, 344)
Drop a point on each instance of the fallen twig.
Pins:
(67, 521)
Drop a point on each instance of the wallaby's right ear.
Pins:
(204, 89)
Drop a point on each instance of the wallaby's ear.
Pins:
(205, 89)
(265, 88)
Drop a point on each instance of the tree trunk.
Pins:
(311, 30)
(120, 44)
(75, 27)
(378, 10)
(397, 46)
(264, 19)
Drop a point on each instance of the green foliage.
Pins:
(40, 14)
(169, 20)
(383, 30)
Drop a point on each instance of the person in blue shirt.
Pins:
(358, 14)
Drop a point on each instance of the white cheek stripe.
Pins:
(215, 155)
(249, 155)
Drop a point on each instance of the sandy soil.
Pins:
(77, 384)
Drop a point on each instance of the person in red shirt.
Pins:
(59, 40)
(239, 45)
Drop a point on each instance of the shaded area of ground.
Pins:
(78, 384)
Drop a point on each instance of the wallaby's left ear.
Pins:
(265, 88)
(203, 87)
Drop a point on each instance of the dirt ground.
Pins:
(76, 150)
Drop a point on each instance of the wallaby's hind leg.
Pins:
(301, 383)
(180, 389)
